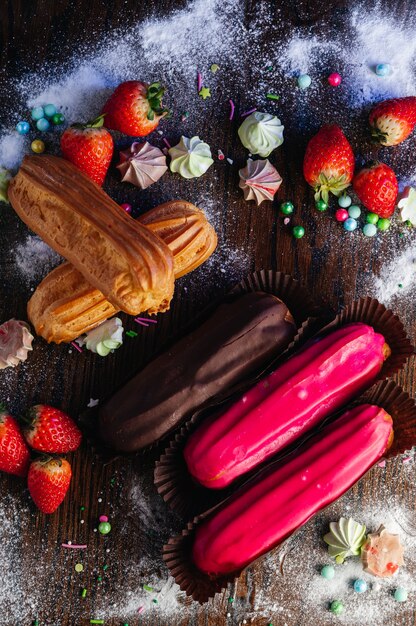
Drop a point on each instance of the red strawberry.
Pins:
(90, 147)
(14, 453)
(51, 430)
(377, 188)
(393, 120)
(48, 481)
(135, 108)
(328, 165)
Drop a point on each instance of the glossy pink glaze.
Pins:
(261, 515)
(325, 375)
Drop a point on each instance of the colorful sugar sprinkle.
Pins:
(199, 81)
(272, 96)
(249, 112)
(166, 142)
(74, 546)
(76, 346)
(232, 109)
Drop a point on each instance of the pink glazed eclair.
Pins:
(324, 376)
(262, 514)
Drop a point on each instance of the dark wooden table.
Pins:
(38, 580)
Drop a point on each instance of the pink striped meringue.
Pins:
(259, 180)
(15, 342)
(142, 164)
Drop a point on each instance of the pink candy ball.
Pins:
(103, 518)
(341, 215)
(126, 206)
(334, 79)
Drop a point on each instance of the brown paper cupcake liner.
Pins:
(172, 480)
(304, 311)
(177, 553)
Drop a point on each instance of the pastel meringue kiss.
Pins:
(259, 180)
(407, 205)
(15, 342)
(191, 157)
(382, 553)
(261, 133)
(142, 164)
(104, 338)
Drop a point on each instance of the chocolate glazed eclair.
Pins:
(239, 338)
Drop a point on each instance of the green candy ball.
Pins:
(337, 607)
(104, 528)
(383, 224)
(287, 208)
(328, 572)
(372, 218)
(57, 119)
(298, 232)
(321, 205)
(400, 595)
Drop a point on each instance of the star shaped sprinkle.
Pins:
(205, 93)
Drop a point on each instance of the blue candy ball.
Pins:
(37, 113)
(383, 69)
(344, 201)
(304, 81)
(23, 128)
(400, 595)
(350, 224)
(328, 572)
(370, 230)
(49, 109)
(360, 586)
(354, 211)
(42, 124)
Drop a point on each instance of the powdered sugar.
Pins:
(34, 259)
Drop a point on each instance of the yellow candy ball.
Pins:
(37, 146)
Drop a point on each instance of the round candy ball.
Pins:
(334, 79)
(372, 218)
(360, 586)
(354, 211)
(350, 224)
(287, 208)
(104, 528)
(304, 81)
(337, 607)
(42, 124)
(22, 128)
(103, 518)
(37, 113)
(126, 206)
(400, 595)
(383, 69)
(321, 205)
(49, 109)
(341, 215)
(57, 119)
(370, 230)
(383, 224)
(298, 232)
(328, 572)
(344, 201)
(37, 146)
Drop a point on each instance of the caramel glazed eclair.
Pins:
(119, 256)
(65, 305)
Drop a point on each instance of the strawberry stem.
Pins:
(98, 122)
(154, 96)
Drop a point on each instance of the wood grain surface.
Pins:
(332, 266)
